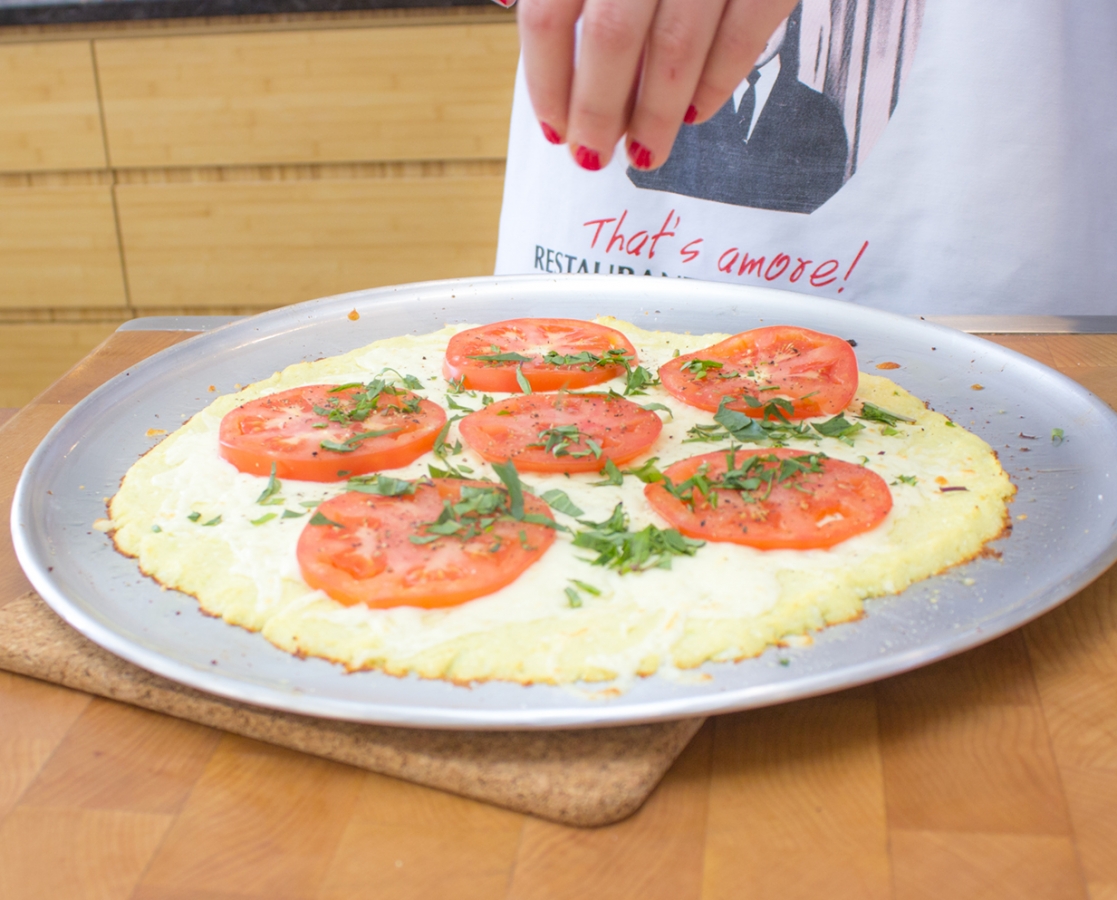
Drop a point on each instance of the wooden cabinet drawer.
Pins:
(366, 94)
(266, 244)
(58, 248)
(49, 118)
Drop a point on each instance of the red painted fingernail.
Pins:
(691, 114)
(639, 155)
(550, 134)
(587, 158)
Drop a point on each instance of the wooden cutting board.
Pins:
(584, 777)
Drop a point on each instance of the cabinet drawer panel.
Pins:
(58, 248)
(269, 244)
(48, 108)
(404, 93)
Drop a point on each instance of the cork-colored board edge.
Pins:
(585, 778)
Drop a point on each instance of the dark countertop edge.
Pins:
(130, 10)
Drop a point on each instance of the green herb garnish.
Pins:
(268, 497)
(525, 386)
(382, 485)
(699, 368)
(266, 517)
(352, 443)
(567, 440)
(559, 500)
(839, 427)
(194, 516)
(632, 551)
(319, 519)
(872, 413)
(613, 476)
(648, 472)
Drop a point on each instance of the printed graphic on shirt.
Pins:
(798, 126)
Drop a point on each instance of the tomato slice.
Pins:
(561, 432)
(790, 500)
(364, 552)
(552, 354)
(384, 432)
(782, 368)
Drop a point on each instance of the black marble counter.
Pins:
(46, 12)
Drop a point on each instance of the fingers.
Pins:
(547, 39)
(612, 43)
(742, 36)
(678, 43)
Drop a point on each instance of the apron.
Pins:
(928, 157)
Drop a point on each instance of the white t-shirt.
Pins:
(938, 157)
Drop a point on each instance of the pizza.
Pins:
(559, 501)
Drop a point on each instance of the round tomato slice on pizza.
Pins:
(436, 542)
(770, 499)
(549, 354)
(324, 432)
(781, 371)
(561, 432)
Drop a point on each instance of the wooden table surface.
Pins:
(992, 774)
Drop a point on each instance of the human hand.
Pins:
(644, 67)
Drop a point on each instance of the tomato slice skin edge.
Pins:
(844, 501)
(533, 337)
(371, 559)
(816, 373)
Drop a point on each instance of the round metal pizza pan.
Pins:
(1067, 491)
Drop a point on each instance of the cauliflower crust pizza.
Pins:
(558, 501)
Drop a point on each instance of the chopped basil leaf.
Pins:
(699, 368)
(839, 427)
(632, 551)
(382, 485)
(507, 473)
(194, 516)
(648, 472)
(216, 520)
(652, 407)
(906, 479)
(352, 443)
(309, 504)
(588, 588)
(156, 529)
(290, 514)
(613, 475)
(453, 404)
(502, 357)
(266, 517)
(572, 597)
(637, 380)
(1057, 436)
(319, 519)
(525, 386)
(872, 413)
(558, 500)
(271, 488)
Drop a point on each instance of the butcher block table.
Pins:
(990, 774)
